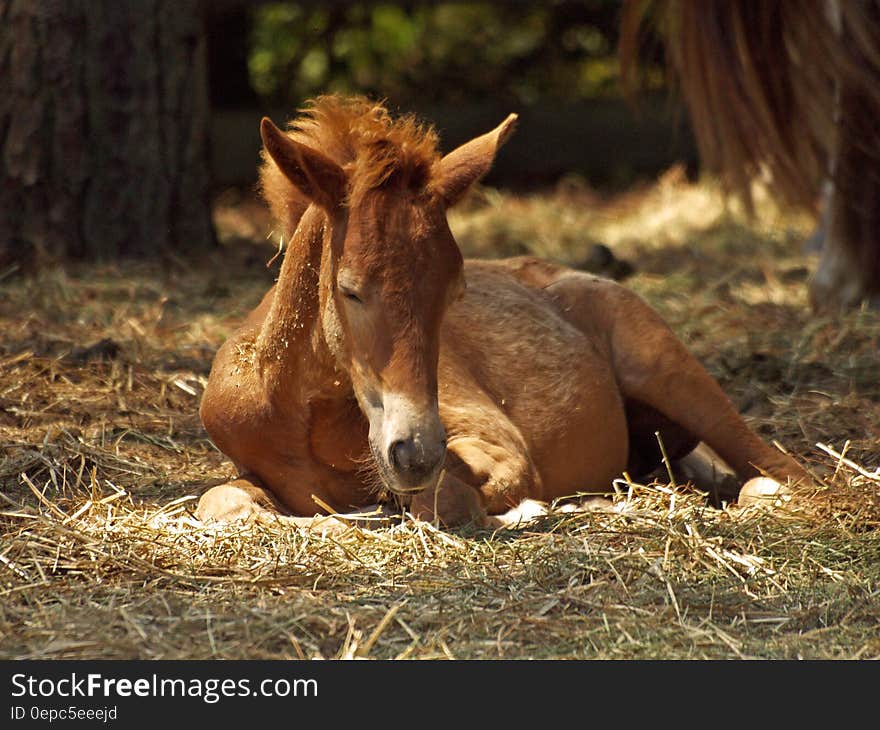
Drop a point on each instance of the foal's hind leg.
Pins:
(653, 366)
(647, 429)
(707, 471)
(690, 460)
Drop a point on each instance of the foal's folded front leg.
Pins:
(245, 500)
(242, 499)
(482, 478)
(452, 502)
(498, 470)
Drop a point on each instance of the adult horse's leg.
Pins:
(849, 267)
(848, 272)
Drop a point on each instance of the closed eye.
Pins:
(350, 295)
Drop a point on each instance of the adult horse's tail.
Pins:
(790, 90)
(760, 80)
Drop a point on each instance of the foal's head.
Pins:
(394, 266)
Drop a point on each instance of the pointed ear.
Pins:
(467, 164)
(314, 174)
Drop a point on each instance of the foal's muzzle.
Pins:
(411, 446)
(416, 463)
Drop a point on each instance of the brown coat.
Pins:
(382, 363)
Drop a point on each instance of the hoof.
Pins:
(227, 503)
(525, 512)
(763, 491)
(588, 504)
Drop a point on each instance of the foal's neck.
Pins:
(292, 358)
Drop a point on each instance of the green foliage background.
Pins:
(433, 52)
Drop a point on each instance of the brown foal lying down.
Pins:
(383, 364)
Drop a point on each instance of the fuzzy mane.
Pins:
(375, 150)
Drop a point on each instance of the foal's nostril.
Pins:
(401, 454)
(412, 461)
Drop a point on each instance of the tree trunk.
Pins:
(103, 128)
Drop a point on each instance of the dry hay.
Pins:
(103, 457)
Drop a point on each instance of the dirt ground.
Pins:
(103, 457)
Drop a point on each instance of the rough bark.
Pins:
(103, 128)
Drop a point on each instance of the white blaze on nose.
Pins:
(403, 421)
(413, 438)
